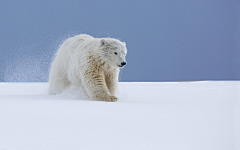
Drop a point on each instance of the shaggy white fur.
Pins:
(91, 62)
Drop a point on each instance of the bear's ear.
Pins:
(103, 42)
(124, 43)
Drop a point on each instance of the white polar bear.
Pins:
(91, 62)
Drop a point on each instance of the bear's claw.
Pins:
(112, 99)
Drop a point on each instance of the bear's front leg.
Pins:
(95, 85)
(112, 81)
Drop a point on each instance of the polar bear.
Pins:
(91, 62)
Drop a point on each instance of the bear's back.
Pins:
(78, 39)
(77, 42)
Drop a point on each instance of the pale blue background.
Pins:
(167, 40)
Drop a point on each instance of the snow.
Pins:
(147, 116)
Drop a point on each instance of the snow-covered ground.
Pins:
(147, 116)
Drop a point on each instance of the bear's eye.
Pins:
(115, 53)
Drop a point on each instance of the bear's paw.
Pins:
(112, 99)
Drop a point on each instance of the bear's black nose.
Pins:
(123, 63)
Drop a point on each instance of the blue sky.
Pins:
(166, 40)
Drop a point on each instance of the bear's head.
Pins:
(114, 52)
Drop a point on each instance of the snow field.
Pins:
(147, 116)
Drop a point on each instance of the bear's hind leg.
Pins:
(57, 86)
